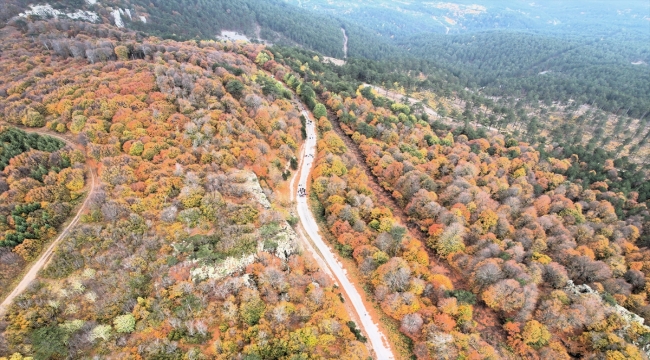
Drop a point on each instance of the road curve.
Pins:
(45, 257)
(377, 339)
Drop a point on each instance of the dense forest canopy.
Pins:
(536, 67)
(401, 19)
(186, 247)
(40, 182)
(489, 194)
(523, 227)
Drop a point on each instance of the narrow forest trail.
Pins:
(488, 323)
(47, 254)
(322, 252)
(345, 44)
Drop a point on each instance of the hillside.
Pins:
(472, 193)
(186, 246)
(203, 20)
(592, 53)
(40, 182)
(498, 213)
(403, 19)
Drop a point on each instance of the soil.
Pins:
(314, 243)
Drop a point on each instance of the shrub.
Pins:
(33, 118)
(463, 296)
(124, 323)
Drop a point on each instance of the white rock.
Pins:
(227, 267)
(84, 15)
(42, 10)
(624, 313)
(47, 11)
(118, 20)
(143, 19)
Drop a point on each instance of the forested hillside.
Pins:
(205, 19)
(595, 54)
(494, 205)
(598, 72)
(40, 182)
(403, 19)
(498, 213)
(186, 249)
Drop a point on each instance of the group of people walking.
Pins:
(301, 191)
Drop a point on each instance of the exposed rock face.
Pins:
(117, 18)
(624, 313)
(286, 239)
(47, 11)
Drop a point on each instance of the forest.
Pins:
(597, 138)
(592, 57)
(539, 68)
(40, 183)
(549, 258)
(187, 248)
(498, 228)
(405, 19)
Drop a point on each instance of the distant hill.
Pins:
(273, 21)
(593, 52)
(400, 19)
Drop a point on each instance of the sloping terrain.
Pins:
(29, 249)
(181, 251)
(491, 208)
(40, 182)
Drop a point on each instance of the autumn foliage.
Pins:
(496, 213)
(185, 249)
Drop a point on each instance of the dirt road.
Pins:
(345, 44)
(47, 254)
(325, 256)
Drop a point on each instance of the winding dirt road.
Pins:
(47, 254)
(324, 255)
(345, 44)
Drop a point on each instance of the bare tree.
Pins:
(556, 275)
(486, 273)
(111, 210)
(636, 278)
(411, 324)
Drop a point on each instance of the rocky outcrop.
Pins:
(47, 11)
(628, 316)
